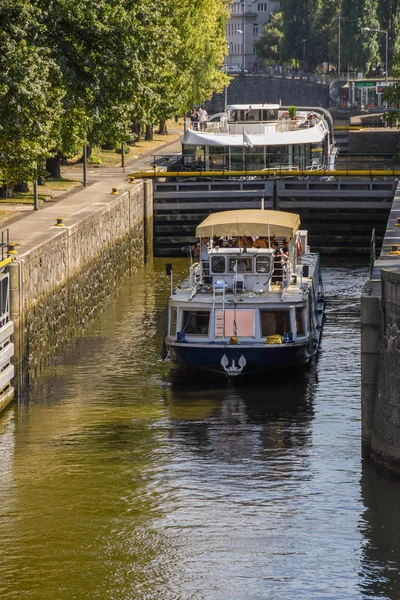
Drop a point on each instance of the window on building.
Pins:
(262, 7)
(196, 322)
(255, 28)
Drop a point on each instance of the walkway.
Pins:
(35, 227)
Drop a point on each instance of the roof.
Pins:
(312, 135)
(249, 222)
(253, 106)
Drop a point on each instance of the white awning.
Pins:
(249, 222)
(312, 135)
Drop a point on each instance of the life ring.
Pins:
(299, 248)
(285, 115)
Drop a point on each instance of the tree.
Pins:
(268, 47)
(30, 94)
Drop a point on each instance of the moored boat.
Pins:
(253, 302)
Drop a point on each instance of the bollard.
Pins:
(395, 249)
(131, 180)
(60, 222)
(398, 222)
(11, 249)
(114, 191)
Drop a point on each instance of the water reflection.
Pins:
(380, 525)
(121, 480)
(235, 423)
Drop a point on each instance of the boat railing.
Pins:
(195, 274)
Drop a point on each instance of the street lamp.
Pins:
(304, 54)
(387, 47)
(242, 33)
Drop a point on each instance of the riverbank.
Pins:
(53, 191)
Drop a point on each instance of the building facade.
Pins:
(244, 27)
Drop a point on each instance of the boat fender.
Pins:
(299, 248)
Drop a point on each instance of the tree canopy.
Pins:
(316, 23)
(75, 72)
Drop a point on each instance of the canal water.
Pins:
(120, 480)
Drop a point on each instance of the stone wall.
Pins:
(385, 439)
(265, 89)
(58, 286)
(374, 141)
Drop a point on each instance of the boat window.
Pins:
(218, 264)
(300, 321)
(195, 322)
(173, 321)
(275, 322)
(234, 322)
(240, 264)
(263, 264)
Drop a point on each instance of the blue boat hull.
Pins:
(256, 359)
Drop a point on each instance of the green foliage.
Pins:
(76, 72)
(268, 47)
(292, 110)
(94, 160)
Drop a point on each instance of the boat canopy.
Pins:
(312, 135)
(249, 222)
(253, 107)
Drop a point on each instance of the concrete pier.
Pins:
(380, 350)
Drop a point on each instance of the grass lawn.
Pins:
(52, 188)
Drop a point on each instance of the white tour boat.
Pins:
(260, 137)
(245, 310)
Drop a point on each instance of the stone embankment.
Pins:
(63, 274)
(265, 89)
(380, 351)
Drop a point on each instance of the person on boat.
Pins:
(261, 243)
(241, 265)
(199, 163)
(246, 242)
(203, 116)
(285, 247)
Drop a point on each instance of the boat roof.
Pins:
(249, 222)
(253, 106)
(311, 135)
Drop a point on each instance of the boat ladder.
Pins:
(219, 312)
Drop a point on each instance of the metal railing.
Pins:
(5, 240)
(247, 160)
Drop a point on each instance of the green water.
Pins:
(120, 480)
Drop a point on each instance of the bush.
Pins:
(108, 146)
(126, 150)
(94, 160)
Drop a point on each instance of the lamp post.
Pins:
(243, 54)
(304, 54)
(386, 48)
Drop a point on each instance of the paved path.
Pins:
(31, 229)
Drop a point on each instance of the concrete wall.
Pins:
(385, 435)
(380, 351)
(59, 285)
(374, 141)
(264, 89)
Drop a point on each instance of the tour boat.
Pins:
(248, 306)
(260, 137)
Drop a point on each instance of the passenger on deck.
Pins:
(285, 247)
(246, 241)
(260, 243)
